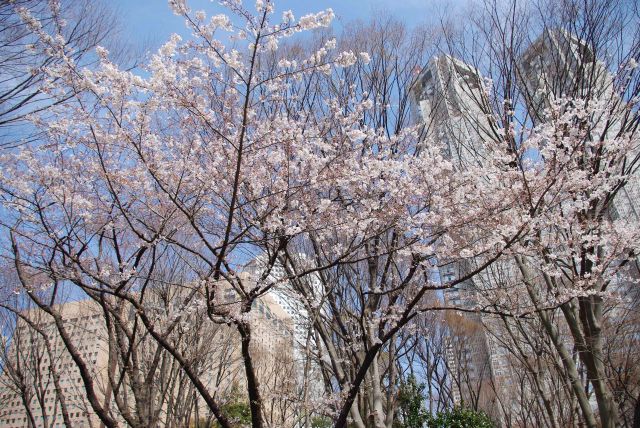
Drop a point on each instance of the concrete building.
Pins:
(308, 374)
(560, 65)
(54, 376)
(455, 110)
(452, 104)
(33, 364)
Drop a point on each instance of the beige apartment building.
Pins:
(29, 375)
(39, 377)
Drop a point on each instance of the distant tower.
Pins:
(451, 101)
(558, 65)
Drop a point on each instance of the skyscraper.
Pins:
(451, 100)
(559, 65)
(308, 375)
(40, 378)
(454, 108)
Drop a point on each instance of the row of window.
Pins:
(46, 400)
(58, 420)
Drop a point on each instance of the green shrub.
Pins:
(459, 417)
(321, 422)
(411, 413)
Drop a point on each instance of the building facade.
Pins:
(452, 104)
(40, 377)
(454, 109)
(559, 65)
(38, 357)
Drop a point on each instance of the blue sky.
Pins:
(151, 22)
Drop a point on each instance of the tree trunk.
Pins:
(253, 387)
(591, 319)
(565, 356)
(636, 413)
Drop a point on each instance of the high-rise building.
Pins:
(452, 103)
(454, 108)
(308, 374)
(559, 64)
(39, 361)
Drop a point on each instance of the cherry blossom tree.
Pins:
(235, 142)
(78, 27)
(126, 132)
(202, 159)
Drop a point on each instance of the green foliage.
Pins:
(237, 412)
(321, 422)
(459, 417)
(410, 410)
(236, 409)
(412, 414)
